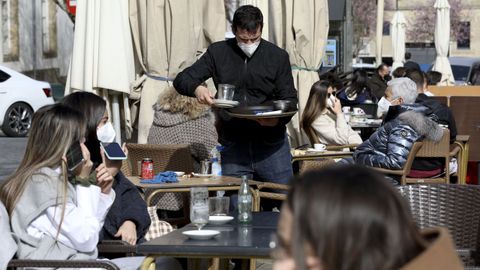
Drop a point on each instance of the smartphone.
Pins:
(74, 156)
(113, 151)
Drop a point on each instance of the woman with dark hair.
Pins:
(323, 119)
(128, 219)
(349, 217)
(357, 92)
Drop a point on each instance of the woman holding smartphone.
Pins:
(51, 217)
(128, 218)
(323, 119)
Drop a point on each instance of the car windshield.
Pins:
(460, 73)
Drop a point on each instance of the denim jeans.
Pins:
(267, 161)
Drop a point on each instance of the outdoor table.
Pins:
(234, 241)
(184, 184)
(298, 155)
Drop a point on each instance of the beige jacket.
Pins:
(333, 130)
(440, 253)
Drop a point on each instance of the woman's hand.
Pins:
(104, 178)
(87, 165)
(337, 106)
(128, 232)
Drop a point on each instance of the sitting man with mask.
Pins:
(405, 123)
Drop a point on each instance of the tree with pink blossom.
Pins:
(364, 13)
(422, 26)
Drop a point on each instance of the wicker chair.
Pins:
(167, 157)
(441, 149)
(315, 164)
(274, 192)
(406, 168)
(452, 206)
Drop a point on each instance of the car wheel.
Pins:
(17, 120)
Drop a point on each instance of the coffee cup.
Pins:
(346, 109)
(358, 111)
(226, 91)
(319, 146)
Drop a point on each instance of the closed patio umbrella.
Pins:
(102, 58)
(379, 31)
(168, 34)
(305, 42)
(263, 5)
(442, 42)
(398, 25)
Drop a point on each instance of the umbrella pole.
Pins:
(116, 116)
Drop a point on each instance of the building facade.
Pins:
(424, 50)
(37, 39)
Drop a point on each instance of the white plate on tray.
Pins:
(201, 234)
(221, 103)
(313, 150)
(219, 220)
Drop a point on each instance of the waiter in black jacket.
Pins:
(261, 73)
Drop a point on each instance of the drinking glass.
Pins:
(199, 210)
(219, 206)
(226, 91)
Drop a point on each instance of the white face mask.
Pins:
(106, 133)
(249, 49)
(331, 102)
(383, 105)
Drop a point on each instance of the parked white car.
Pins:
(20, 97)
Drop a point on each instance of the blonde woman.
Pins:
(323, 120)
(55, 214)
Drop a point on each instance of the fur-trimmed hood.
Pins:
(423, 125)
(173, 102)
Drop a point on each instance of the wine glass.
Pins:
(199, 210)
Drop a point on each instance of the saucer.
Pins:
(202, 174)
(222, 103)
(179, 174)
(219, 220)
(201, 234)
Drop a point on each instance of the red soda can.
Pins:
(147, 169)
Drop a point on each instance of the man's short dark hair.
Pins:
(247, 17)
(416, 76)
(381, 66)
(399, 72)
(408, 55)
(434, 77)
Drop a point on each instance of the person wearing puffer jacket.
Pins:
(404, 124)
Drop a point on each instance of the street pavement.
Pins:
(11, 153)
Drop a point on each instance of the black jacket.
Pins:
(390, 145)
(377, 85)
(442, 115)
(412, 65)
(264, 77)
(128, 205)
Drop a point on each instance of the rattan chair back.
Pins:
(406, 167)
(315, 164)
(166, 157)
(455, 207)
(441, 149)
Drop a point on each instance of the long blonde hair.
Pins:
(54, 129)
